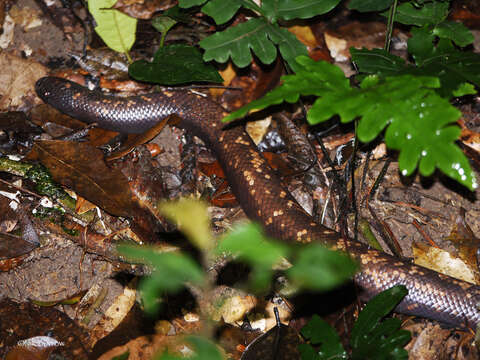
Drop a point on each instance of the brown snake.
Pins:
(262, 195)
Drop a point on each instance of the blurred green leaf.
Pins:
(115, 28)
(175, 64)
(249, 244)
(169, 274)
(318, 268)
(321, 334)
(191, 216)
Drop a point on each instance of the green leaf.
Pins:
(236, 42)
(456, 69)
(457, 32)
(249, 244)
(175, 64)
(256, 35)
(372, 338)
(163, 23)
(376, 309)
(204, 350)
(319, 268)
(116, 29)
(429, 13)
(378, 61)
(290, 47)
(170, 272)
(452, 66)
(369, 5)
(408, 105)
(221, 10)
(297, 9)
(191, 216)
(420, 44)
(190, 3)
(312, 78)
(307, 352)
(464, 89)
(319, 332)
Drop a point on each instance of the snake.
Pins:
(262, 195)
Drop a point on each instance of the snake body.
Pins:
(262, 195)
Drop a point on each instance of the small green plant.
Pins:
(371, 336)
(314, 268)
(261, 34)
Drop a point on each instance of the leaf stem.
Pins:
(391, 19)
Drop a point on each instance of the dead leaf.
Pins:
(443, 262)
(17, 78)
(80, 167)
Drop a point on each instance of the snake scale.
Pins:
(262, 195)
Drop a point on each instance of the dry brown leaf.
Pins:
(17, 78)
(443, 262)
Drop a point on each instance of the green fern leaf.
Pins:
(430, 13)
(416, 116)
(256, 35)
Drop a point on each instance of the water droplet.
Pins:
(409, 136)
(404, 172)
(423, 104)
(461, 171)
(420, 115)
(424, 152)
(437, 132)
(464, 177)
